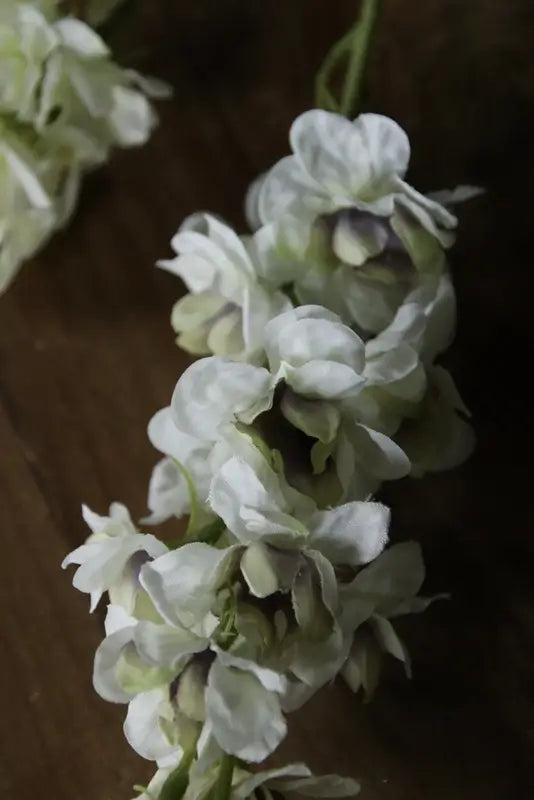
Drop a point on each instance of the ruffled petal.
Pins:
(354, 533)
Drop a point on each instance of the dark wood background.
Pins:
(87, 355)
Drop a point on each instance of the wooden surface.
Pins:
(87, 355)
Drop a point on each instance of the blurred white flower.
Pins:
(27, 215)
(64, 104)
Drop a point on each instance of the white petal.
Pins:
(213, 391)
(168, 439)
(391, 366)
(457, 195)
(103, 561)
(357, 239)
(378, 454)
(196, 310)
(258, 570)
(362, 668)
(327, 380)
(251, 203)
(182, 583)
(259, 307)
(354, 533)
(440, 316)
(225, 337)
(132, 118)
(168, 494)
(252, 505)
(327, 580)
(312, 331)
(78, 36)
(268, 678)
(350, 159)
(246, 717)
(282, 190)
(152, 87)
(166, 646)
(390, 642)
(117, 618)
(397, 574)
(27, 179)
(118, 523)
(316, 418)
(208, 750)
(321, 340)
(388, 148)
(141, 726)
(106, 659)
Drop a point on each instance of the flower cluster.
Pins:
(319, 333)
(64, 104)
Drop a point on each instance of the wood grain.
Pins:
(87, 355)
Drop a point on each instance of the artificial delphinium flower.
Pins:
(320, 332)
(64, 104)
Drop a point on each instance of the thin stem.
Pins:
(193, 501)
(223, 786)
(177, 782)
(353, 49)
(362, 35)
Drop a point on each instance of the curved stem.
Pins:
(354, 47)
(223, 786)
(362, 35)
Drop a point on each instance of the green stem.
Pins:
(222, 788)
(177, 782)
(193, 501)
(353, 48)
(362, 35)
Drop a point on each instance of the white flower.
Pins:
(283, 554)
(383, 590)
(228, 305)
(340, 206)
(339, 164)
(239, 701)
(315, 365)
(112, 557)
